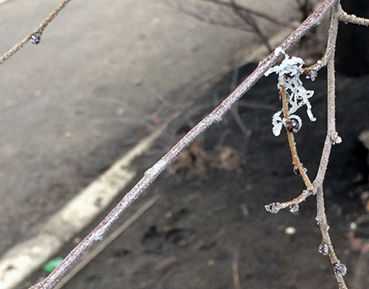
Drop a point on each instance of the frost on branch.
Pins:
(289, 72)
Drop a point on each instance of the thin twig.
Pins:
(326, 239)
(331, 139)
(297, 165)
(38, 30)
(332, 136)
(151, 174)
(235, 108)
(291, 142)
(249, 19)
(350, 18)
(254, 12)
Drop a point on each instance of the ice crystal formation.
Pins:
(323, 249)
(340, 269)
(289, 72)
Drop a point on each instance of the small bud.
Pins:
(312, 74)
(294, 208)
(340, 269)
(323, 249)
(272, 208)
(294, 124)
(337, 140)
(36, 38)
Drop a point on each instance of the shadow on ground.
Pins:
(209, 225)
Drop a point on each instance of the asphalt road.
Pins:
(72, 104)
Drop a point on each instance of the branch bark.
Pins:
(151, 174)
(38, 31)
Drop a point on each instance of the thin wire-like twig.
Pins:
(249, 19)
(151, 174)
(253, 12)
(38, 30)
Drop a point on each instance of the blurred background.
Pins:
(108, 74)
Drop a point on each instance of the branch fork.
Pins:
(216, 115)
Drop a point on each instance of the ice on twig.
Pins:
(323, 249)
(272, 208)
(294, 208)
(289, 72)
(340, 269)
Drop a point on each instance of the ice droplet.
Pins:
(36, 38)
(296, 170)
(323, 249)
(294, 208)
(272, 208)
(312, 75)
(340, 269)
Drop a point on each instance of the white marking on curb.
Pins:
(23, 259)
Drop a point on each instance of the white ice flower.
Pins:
(289, 72)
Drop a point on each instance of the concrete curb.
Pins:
(23, 259)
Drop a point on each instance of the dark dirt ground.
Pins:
(210, 220)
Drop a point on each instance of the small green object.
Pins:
(52, 264)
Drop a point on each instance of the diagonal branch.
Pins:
(151, 174)
(38, 31)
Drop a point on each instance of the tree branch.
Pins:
(35, 33)
(331, 139)
(151, 174)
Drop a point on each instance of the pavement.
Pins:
(103, 71)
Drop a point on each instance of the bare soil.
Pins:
(209, 226)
